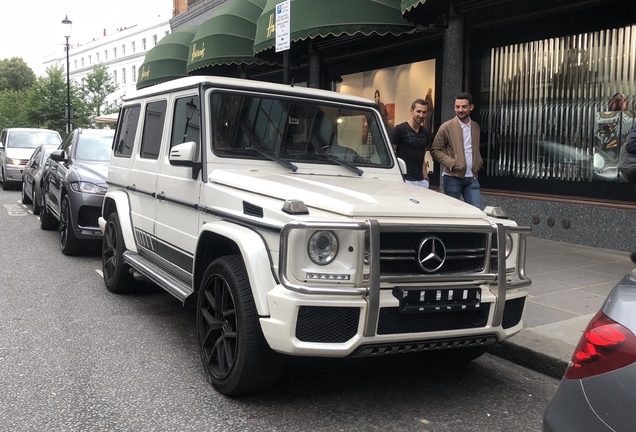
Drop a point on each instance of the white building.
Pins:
(121, 52)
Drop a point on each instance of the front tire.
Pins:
(69, 245)
(117, 276)
(5, 184)
(235, 355)
(47, 220)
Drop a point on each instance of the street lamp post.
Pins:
(67, 34)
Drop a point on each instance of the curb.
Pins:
(534, 351)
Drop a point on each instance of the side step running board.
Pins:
(158, 275)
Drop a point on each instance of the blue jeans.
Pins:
(468, 188)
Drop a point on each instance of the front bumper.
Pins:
(13, 173)
(85, 212)
(336, 326)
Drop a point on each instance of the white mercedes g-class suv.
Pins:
(281, 213)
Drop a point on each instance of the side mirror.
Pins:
(402, 165)
(184, 154)
(58, 156)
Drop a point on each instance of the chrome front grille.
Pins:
(463, 252)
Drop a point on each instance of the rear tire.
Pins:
(117, 276)
(47, 220)
(25, 197)
(37, 206)
(235, 355)
(69, 245)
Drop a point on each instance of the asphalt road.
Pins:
(74, 357)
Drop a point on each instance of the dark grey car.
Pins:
(74, 186)
(32, 176)
(598, 391)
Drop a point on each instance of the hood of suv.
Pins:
(94, 172)
(349, 195)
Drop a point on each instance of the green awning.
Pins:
(227, 38)
(311, 19)
(424, 12)
(408, 5)
(166, 60)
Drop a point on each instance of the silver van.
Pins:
(16, 147)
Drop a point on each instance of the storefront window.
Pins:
(394, 89)
(545, 111)
(396, 86)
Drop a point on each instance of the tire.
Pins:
(235, 356)
(5, 184)
(69, 245)
(37, 207)
(117, 276)
(25, 198)
(47, 220)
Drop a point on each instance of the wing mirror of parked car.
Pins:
(184, 154)
(59, 156)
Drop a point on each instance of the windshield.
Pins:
(26, 139)
(297, 130)
(94, 147)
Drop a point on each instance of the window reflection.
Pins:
(545, 106)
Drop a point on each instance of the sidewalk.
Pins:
(569, 284)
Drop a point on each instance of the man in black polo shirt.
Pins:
(410, 141)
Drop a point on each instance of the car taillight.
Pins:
(605, 346)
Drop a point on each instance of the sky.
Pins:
(33, 30)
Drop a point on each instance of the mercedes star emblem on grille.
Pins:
(431, 254)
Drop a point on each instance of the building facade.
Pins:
(541, 72)
(121, 52)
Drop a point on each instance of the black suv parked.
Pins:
(74, 186)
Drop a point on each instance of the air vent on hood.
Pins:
(252, 210)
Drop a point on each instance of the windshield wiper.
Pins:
(325, 156)
(268, 155)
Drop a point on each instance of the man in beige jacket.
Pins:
(456, 148)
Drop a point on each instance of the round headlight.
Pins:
(322, 247)
(509, 244)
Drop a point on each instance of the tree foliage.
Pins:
(13, 109)
(96, 88)
(15, 75)
(41, 101)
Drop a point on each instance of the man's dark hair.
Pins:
(419, 102)
(466, 96)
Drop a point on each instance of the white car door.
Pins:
(177, 193)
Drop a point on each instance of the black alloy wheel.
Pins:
(47, 220)
(117, 276)
(69, 245)
(234, 353)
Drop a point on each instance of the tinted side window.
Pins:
(126, 130)
(153, 129)
(66, 144)
(186, 125)
(34, 162)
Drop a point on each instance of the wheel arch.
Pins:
(221, 238)
(117, 202)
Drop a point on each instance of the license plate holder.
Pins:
(435, 300)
